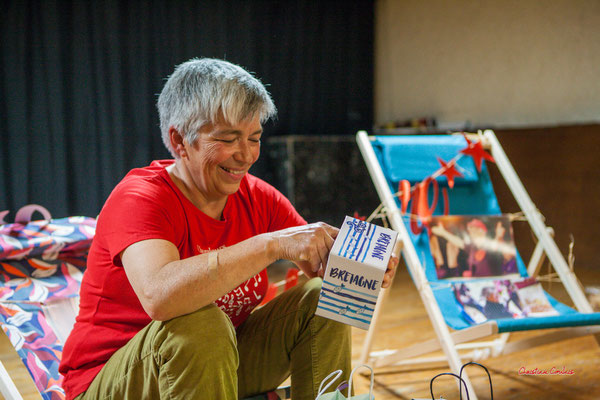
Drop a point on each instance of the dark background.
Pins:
(79, 81)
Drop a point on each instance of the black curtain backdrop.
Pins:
(79, 81)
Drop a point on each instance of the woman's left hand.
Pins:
(390, 271)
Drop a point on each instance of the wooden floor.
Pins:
(17, 370)
(404, 322)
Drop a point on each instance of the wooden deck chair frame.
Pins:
(451, 343)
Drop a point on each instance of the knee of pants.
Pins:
(208, 333)
(310, 295)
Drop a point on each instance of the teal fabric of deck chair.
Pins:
(391, 159)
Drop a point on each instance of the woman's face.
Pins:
(222, 155)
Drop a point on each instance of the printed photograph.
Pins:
(496, 299)
(472, 246)
(534, 302)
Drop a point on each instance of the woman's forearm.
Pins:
(180, 287)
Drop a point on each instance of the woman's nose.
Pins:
(245, 152)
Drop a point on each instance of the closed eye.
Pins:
(233, 140)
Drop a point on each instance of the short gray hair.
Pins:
(200, 90)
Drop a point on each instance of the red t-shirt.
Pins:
(146, 204)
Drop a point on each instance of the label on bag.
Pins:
(355, 268)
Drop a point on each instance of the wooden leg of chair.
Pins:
(366, 350)
(383, 294)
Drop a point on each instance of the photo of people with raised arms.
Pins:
(472, 246)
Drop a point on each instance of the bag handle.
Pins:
(486, 371)
(454, 375)
(25, 214)
(332, 377)
(2, 215)
(352, 374)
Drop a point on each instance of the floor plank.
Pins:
(17, 370)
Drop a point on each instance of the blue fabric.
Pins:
(414, 158)
(397, 165)
(568, 317)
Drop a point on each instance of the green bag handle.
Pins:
(332, 377)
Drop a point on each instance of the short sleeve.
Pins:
(138, 209)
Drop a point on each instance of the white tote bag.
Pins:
(337, 395)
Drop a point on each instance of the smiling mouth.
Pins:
(235, 172)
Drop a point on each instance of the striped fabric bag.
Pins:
(42, 264)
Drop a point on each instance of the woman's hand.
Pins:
(390, 271)
(308, 246)
(439, 230)
(500, 231)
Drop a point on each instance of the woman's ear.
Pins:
(176, 139)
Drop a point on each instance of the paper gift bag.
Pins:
(462, 384)
(338, 395)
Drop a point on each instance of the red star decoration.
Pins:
(358, 216)
(449, 171)
(475, 150)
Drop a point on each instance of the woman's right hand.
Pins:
(307, 245)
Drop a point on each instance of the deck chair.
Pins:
(41, 267)
(392, 159)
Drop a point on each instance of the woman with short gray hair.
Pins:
(177, 266)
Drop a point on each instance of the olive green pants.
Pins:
(201, 356)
